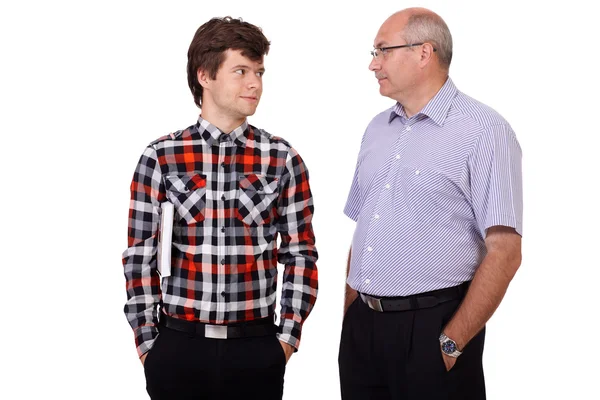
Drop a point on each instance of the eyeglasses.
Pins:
(384, 50)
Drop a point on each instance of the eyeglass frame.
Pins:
(383, 49)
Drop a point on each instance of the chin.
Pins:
(250, 111)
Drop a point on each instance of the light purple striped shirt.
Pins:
(424, 192)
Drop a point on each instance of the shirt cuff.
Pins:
(503, 220)
(289, 332)
(144, 338)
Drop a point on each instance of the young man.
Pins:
(207, 330)
(438, 202)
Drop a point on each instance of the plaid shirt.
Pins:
(233, 194)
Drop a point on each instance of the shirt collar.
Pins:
(213, 135)
(436, 109)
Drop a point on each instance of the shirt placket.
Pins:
(383, 209)
(222, 177)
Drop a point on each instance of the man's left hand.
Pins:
(288, 350)
(449, 361)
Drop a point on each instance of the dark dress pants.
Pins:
(184, 366)
(396, 355)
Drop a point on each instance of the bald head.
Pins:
(420, 25)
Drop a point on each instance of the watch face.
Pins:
(449, 347)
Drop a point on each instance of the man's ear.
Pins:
(203, 78)
(426, 54)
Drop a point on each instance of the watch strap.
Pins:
(443, 339)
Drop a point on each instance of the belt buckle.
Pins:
(374, 303)
(215, 331)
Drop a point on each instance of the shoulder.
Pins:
(176, 135)
(262, 135)
(486, 126)
(382, 118)
(379, 125)
(478, 112)
(281, 148)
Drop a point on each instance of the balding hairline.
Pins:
(426, 26)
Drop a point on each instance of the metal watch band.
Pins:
(444, 338)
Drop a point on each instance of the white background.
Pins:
(85, 86)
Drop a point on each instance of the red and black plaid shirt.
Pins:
(233, 194)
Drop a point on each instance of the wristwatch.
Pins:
(449, 346)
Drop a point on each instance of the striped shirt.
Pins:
(424, 192)
(233, 195)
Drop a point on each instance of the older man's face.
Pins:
(394, 69)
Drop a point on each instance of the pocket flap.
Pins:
(259, 183)
(184, 183)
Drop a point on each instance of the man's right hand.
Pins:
(143, 358)
(350, 294)
(349, 298)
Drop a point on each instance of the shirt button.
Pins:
(417, 172)
(223, 197)
(387, 186)
(223, 164)
(408, 128)
(397, 156)
(223, 262)
(376, 216)
(367, 281)
(369, 248)
(223, 229)
(223, 293)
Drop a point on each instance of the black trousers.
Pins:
(396, 355)
(184, 366)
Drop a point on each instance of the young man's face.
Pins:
(236, 91)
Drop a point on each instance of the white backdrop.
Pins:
(85, 86)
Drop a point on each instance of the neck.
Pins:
(419, 95)
(226, 123)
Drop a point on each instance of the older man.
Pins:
(437, 198)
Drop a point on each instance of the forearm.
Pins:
(300, 279)
(143, 294)
(298, 297)
(484, 295)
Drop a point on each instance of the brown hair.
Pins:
(210, 42)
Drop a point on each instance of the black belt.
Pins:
(261, 327)
(415, 301)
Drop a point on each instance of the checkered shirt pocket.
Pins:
(187, 192)
(257, 195)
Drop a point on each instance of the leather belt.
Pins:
(415, 301)
(261, 327)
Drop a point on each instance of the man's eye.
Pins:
(260, 74)
(240, 71)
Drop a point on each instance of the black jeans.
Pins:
(184, 366)
(396, 355)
